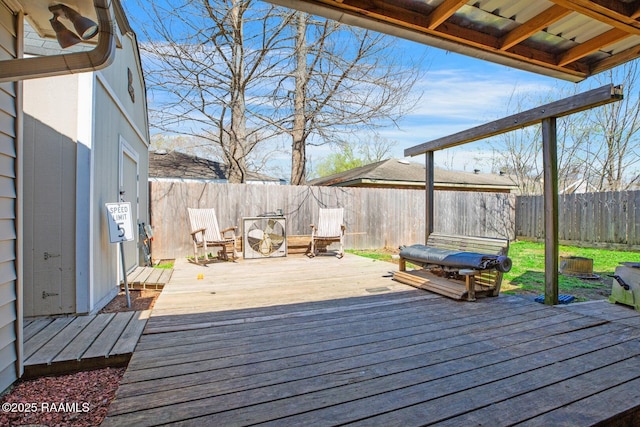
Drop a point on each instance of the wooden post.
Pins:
(429, 182)
(550, 166)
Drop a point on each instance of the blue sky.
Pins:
(462, 92)
(459, 92)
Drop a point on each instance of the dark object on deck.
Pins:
(562, 299)
(456, 259)
(458, 267)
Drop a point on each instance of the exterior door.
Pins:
(49, 212)
(129, 183)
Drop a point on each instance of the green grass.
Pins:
(164, 264)
(379, 255)
(527, 274)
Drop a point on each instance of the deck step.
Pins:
(148, 278)
(68, 344)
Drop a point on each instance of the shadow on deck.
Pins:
(397, 357)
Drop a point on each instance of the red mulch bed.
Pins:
(80, 399)
(140, 300)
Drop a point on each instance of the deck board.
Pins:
(44, 336)
(72, 343)
(345, 355)
(59, 341)
(103, 344)
(34, 326)
(131, 334)
(77, 347)
(143, 277)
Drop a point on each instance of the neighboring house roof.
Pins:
(182, 166)
(579, 186)
(397, 173)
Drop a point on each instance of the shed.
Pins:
(90, 179)
(86, 140)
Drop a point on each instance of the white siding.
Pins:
(8, 194)
(116, 117)
(49, 195)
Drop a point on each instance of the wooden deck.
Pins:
(65, 344)
(322, 342)
(148, 278)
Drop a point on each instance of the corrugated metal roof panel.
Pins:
(564, 38)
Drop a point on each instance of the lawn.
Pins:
(527, 274)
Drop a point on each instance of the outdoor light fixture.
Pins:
(65, 36)
(85, 27)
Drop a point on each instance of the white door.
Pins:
(129, 184)
(49, 227)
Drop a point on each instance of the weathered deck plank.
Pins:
(79, 345)
(595, 408)
(103, 344)
(334, 372)
(68, 344)
(59, 341)
(148, 277)
(34, 326)
(343, 356)
(44, 336)
(131, 334)
(347, 335)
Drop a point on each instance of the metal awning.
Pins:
(567, 39)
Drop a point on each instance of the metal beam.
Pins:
(573, 104)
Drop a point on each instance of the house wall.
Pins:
(76, 128)
(10, 323)
(50, 135)
(117, 118)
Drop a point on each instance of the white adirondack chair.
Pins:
(330, 229)
(206, 234)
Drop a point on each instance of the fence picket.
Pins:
(374, 217)
(599, 219)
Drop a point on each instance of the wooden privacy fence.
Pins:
(590, 219)
(375, 218)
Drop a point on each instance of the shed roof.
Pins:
(395, 172)
(568, 39)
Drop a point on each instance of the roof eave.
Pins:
(417, 184)
(500, 57)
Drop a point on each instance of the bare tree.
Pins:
(591, 146)
(617, 125)
(237, 73)
(344, 80)
(204, 71)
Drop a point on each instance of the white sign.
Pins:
(120, 222)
